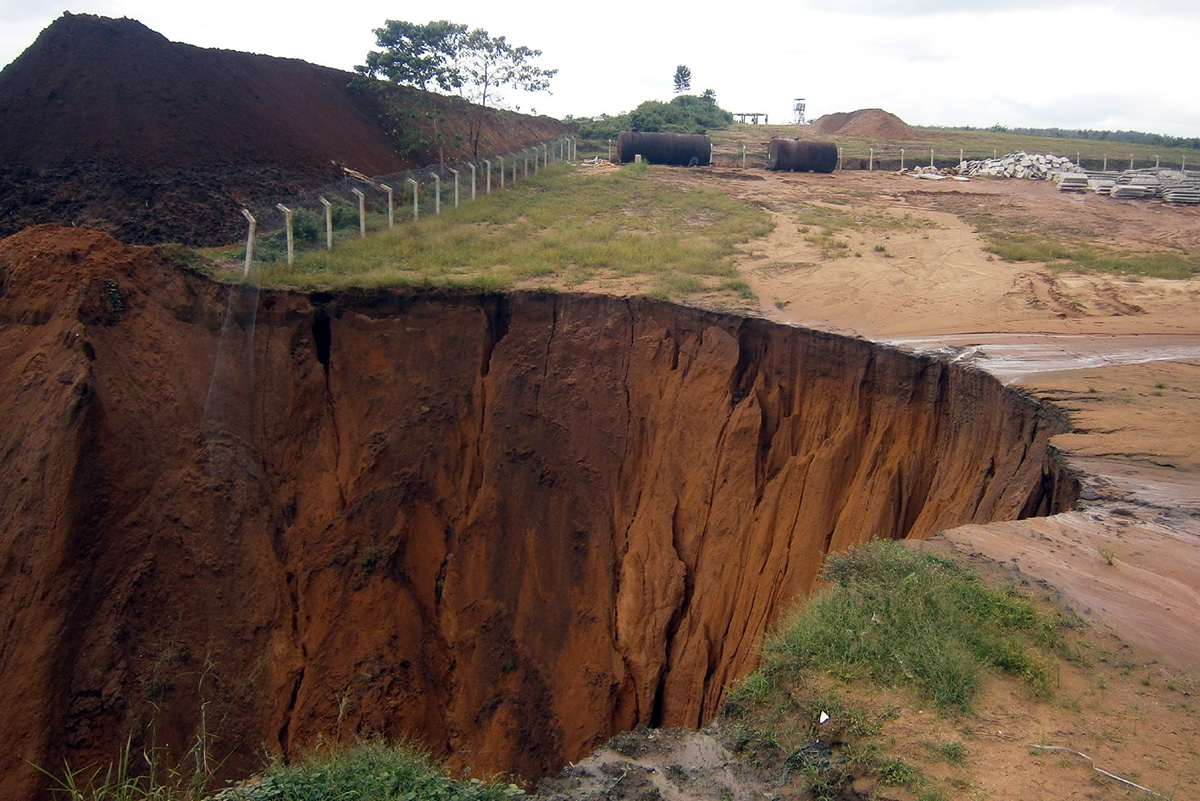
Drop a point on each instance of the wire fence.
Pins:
(889, 157)
(279, 226)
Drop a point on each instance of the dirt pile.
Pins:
(869, 123)
(108, 124)
(510, 524)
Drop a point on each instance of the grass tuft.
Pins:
(902, 616)
(369, 771)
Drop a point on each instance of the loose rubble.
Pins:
(1020, 165)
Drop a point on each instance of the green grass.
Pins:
(141, 776)
(561, 228)
(892, 616)
(1028, 239)
(1059, 255)
(899, 616)
(369, 771)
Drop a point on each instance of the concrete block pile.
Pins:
(1020, 165)
(1173, 186)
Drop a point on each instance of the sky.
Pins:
(1018, 63)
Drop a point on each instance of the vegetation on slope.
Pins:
(557, 230)
(889, 616)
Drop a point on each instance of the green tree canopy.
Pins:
(415, 55)
(684, 114)
(683, 79)
(473, 63)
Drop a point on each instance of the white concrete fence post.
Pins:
(545, 155)
(501, 160)
(488, 186)
(287, 224)
(437, 193)
(455, 186)
(871, 161)
(391, 207)
(362, 212)
(902, 158)
(328, 223)
(472, 165)
(514, 158)
(416, 202)
(249, 241)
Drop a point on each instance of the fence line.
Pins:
(314, 216)
(889, 157)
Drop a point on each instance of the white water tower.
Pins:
(799, 108)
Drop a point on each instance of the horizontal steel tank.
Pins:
(801, 156)
(680, 150)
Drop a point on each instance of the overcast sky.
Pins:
(1100, 65)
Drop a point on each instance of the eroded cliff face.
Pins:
(510, 525)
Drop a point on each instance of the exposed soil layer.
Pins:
(107, 124)
(870, 123)
(511, 524)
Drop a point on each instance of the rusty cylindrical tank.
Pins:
(801, 156)
(680, 150)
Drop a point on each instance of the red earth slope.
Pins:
(108, 124)
(508, 525)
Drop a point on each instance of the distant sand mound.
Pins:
(871, 123)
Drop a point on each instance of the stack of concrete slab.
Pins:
(1128, 191)
(1151, 181)
(1183, 192)
(1072, 182)
(1101, 186)
(1020, 165)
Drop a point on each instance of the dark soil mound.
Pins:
(871, 123)
(108, 124)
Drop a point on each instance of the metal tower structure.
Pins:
(799, 108)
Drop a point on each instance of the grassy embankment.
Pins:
(888, 616)
(564, 229)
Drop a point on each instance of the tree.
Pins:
(684, 114)
(415, 54)
(683, 79)
(709, 96)
(472, 63)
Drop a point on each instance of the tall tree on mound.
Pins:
(683, 79)
(475, 64)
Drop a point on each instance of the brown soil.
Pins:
(514, 546)
(109, 125)
(870, 123)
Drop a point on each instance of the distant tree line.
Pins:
(1134, 137)
(684, 114)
